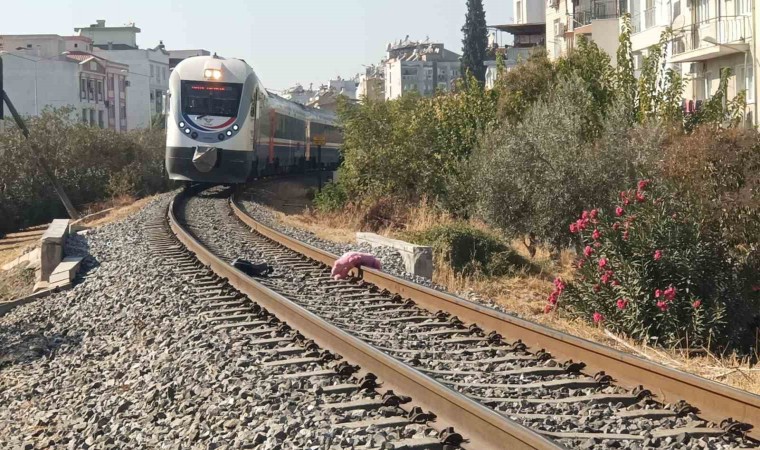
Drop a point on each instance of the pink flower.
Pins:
(548, 309)
(593, 213)
(598, 317)
(640, 197)
(619, 211)
(625, 235)
(616, 226)
(588, 251)
(603, 263)
(657, 293)
(642, 184)
(553, 298)
(615, 283)
(584, 215)
(623, 195)
(559, 284)
(597, 288)
(573, 228)
(607, 276)
(669, 294)
(697, 304)
(755, 287)
(662, 305)
(626, 202)
(596, 234)
(580, 224)
(580, 263)
(621, 304)
(597, 244)
(657, 255)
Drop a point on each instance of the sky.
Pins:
(285, 41)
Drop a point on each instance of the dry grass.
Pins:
(526, 294)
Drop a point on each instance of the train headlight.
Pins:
(182, 124)
(212, 74)
(229, 133)
(235, 127)
(187, 130)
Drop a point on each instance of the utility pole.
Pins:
(40, 161)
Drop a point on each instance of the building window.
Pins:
(750, 83)
(111, 112)
(518, 11)
(84, 115)
(76, 45)
(90, 89)
(82, 89)
(151, 71)
(123, 112)
(100, 91)
(92, 117)
(110, 82)
(121, 84)
(743, 8)
(93, 66)
(100, 118)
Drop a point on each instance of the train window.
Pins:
(211, 99)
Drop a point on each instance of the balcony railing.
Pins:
(723, 30)
(598, 9)
(644, 21)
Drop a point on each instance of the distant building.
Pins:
(298, 94)
(148, 73)
(423, 67)
(176, 56)
(528, 31)
(58, 71)
(597, 20)
(372, 83)
(344, 87)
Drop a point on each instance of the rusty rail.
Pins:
(481, 426)
(716, 401)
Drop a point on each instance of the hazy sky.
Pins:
(286, 41)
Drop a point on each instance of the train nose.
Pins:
(205, 158)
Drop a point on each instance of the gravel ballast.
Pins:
(123, 360)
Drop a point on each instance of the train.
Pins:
(224, 127)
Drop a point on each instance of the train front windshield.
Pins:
(203, 98)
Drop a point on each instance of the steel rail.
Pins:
(715, 401)
(481, 426)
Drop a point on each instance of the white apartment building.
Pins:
(372, 83)
(709, 35)
(344, 87)
(597, 20)
(148, 74)
(528, 31)
(59, 71)
(422, 67)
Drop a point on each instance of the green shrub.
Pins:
(332, 197)
(468, 249)
(90, 163)
(653, 268)
(544, 170)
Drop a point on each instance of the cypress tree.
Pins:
(475, 40)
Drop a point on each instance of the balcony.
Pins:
(712, 38)
(644, 21)
(587, 11)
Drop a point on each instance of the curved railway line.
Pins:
(497, 380)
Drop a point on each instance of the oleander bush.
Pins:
(653, 267)
(92, 164)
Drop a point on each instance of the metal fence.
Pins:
(598, 9)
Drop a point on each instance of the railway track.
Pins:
(501, 382)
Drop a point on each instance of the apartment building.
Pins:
(423, 67)
(528, 31)
(708, 36)
(59, 71)
(372, 83)
(597, 20)
(147, 78)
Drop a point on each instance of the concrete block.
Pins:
(66, 270)
(31, 259)
(51, 247)
(418, 259)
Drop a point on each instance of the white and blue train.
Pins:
(223, 127)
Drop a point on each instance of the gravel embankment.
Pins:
(123, 360)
